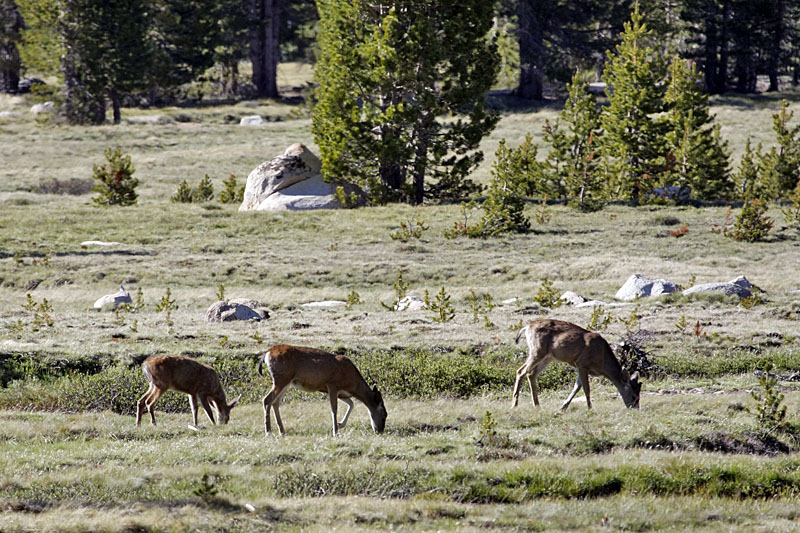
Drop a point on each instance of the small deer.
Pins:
(198, 381)
(587, 351)
(315, 370)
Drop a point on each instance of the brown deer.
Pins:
(588, 352)
(198, 381)
(315, 370)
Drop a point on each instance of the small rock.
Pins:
(84, 244)
(252, 120)
(325, 303)
(739, 287)
(572, 298)
(230, 311)
(111, 301)
(46, 107)
(149, 119)
(410, 303)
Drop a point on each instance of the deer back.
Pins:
(183, 375)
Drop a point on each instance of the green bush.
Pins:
(115, 182)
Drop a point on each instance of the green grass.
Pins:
(72, 460)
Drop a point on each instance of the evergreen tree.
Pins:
(41, 48)
(106, 49)
(387, 75)
(583, 185)
(699, 159)
(633, 138)
(781, 165)
(11, 24)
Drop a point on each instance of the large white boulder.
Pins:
(291, 181)
(640, 286)
(410, 303)
(110, 302)
(739, 287)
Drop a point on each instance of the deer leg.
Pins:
(333, 397)
(206, 408)
(193, 407)
(349, 403)
(521, 371)
(141, 403)
(583, 375)
(575, 390)
(537, 369)
(151, 401)
(268, 400)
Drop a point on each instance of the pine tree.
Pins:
(698, 157)
(576, 150)
(781, 165)
(387, 75)
(107, 48)
(633, 138)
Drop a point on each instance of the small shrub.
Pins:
(204, 191)
(353, 298)
(409, 230)
(480, 304)
(183, 195)
(348, 201)
(221, 293)
(206, 489)
(440, 306)
(600, 319)
(752, 224)
(400, 289)
(232, 193)
(115, 182)
(769, 412)
(547, 295)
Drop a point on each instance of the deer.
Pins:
(587, 351)
(314, 370)
(182, 374)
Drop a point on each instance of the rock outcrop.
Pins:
(110, 302)
(291, 181)
(739, 287)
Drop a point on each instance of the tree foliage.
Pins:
(633, 133)
(388, 74)
(698, 159)
(115, 182)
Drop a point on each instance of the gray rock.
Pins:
(639, 286)
(46, 107)
(252, 120)
(230, 311)
(291, 181)
(572, 298)
(739, 287)
(110, 302)
(410, 303)
(255, 305)
(8, 114)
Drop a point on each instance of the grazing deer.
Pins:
(198, 381)
(315, 370)
(587, 351)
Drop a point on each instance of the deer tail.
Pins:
(520, 333)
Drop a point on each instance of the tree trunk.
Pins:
(11, 24)
(724, 54)
(778, 30)
(712, 46)
(531, 46)
(115, 105)
(263, 35)
(80, 106)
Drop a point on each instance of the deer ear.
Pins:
(635, 376)
(234, 402)
(377, 394)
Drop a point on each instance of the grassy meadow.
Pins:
(454, 455)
